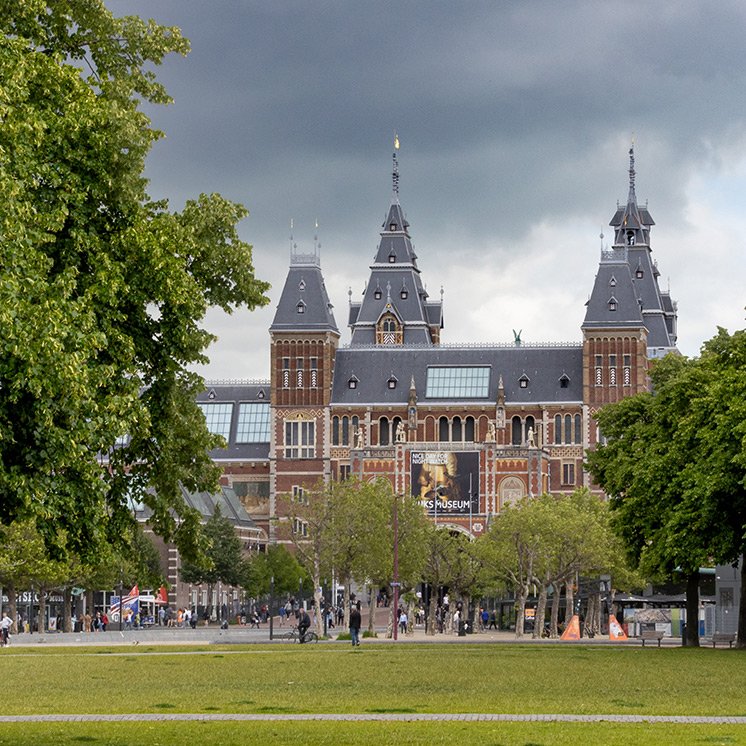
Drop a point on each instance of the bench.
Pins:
(650, 635)
(723, 637)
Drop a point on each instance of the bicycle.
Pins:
(294, 636)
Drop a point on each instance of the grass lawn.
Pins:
(376, 678)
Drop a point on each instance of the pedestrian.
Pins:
(493, 620)
(282, 616)
(356, 620)
(104, 622)
(485, 617)
(5, 624)
(403, 621)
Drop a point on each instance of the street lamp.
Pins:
(395, 582)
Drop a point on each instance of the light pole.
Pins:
(271, 605)
(395, 581)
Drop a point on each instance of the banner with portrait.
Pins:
(446, 482)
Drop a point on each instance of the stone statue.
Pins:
(401, 435)
(490, 433)
(531, 442)
(360, 438)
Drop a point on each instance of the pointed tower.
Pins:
(395, 309)
(628, 320)
(304, 339)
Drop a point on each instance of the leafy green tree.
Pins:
(650, 464)
(278, 563)
(102, 290)
(223, 559)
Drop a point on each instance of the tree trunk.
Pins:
(692, 609)
(346, 606)
(520, 610)
(569, 601)
(556, 590)
(541, 608)
(741, 641)
(13, 607)
(371, 613)
(67, 595)
(42, 609)
(431, 614)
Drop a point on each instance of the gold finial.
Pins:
(396, 141)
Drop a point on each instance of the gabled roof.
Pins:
(304, 304)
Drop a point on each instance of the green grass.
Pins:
(280, 734)
(376, 678)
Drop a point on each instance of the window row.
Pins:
(613, 371)
(300, 377)
(568, 429)
(300, 439)
(343, 430)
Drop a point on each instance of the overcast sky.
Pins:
(514, 118)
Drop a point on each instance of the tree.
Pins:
(102, 290)
(276, 563)
(223, 560)
(674, 466)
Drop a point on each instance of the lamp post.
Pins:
(395, 582)
(271, 605)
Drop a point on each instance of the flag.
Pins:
(162, 596)
(131, 601)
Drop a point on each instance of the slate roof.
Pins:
(543, 365)
(395, 286)
(304, 304)
(639, 299)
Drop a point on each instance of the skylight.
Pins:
(471, 382)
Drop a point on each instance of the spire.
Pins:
(395, 173)
(632, 198)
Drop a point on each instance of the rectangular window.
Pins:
(286, 372)
(568, 474)
(468, 382)
(344, 472)
(218, 417)
(599, 370)
(314, 366)
(253, 423)
(300, 528)
(299, 495)
(300, 438)
(627, 372)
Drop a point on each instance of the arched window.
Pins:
(456, 429)
(469, 430)
(335, 431)
(383, 431)
(444, 434)
(388, 331)
(517, 428)
(529, 424)
(557, 429)
(578, 429)
(568, 429)
(345, 431)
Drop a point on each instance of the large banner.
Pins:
(446, 482)
(131, 605)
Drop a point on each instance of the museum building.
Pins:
(466, 428)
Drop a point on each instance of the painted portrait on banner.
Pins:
(446, 482)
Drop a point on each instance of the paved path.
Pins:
(388, 717)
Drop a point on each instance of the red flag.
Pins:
(162, 596)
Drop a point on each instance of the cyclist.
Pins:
(303, 624)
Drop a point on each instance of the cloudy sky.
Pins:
(514, 118)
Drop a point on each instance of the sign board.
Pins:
(446, 482)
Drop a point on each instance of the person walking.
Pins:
(356, 619)
(5, 624)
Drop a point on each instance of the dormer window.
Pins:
(392, 258)
(612, 282)
(261, 394)
(639, 274)
(630, 238)
(391, 383)
(392, 227)
(301, 307)
(388, 330)
(302, 285)
(564, 382)
(352, 383)
(523, 381)
(612, 304)
(404, 293)
(378, 293)
(212, 394)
